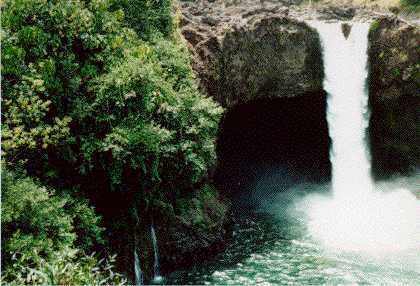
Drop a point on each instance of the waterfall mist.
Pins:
(359, 216)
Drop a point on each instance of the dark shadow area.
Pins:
(392, 130)
(275, 143)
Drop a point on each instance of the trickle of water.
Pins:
(138, 274)
(156, 268)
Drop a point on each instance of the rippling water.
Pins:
(275, 249)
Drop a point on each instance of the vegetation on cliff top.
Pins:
(406, 5)
(92, 98)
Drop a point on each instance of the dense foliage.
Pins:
(46, 236)
(51, 51)
(411, 2)
(411, 5)
(97, 96)
(148, 17)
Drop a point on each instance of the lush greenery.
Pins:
(148, 17)
(46, 236)
(411, 5)
(97, 96)
(411, 2)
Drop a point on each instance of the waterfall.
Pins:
(138, 274)
(156, 268)
(345, 64)
(359, 216)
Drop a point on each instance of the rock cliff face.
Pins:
(183, 244)
(270, 57)
(264, 64)
(260, 50)
(394, 55)
(254, 54)
(193, 230)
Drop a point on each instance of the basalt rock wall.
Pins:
(253, 54)
(394, 90)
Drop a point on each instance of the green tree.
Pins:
(148, 17)
(51, 50)
(84, 95)
(93, 106)
(45, 236)
(411, 2)
(160, 125)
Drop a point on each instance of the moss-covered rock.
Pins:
(194, 230)
(394, 58)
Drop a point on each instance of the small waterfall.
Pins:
(156, 268)
(359, 217)
(138, 274)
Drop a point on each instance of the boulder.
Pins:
(346, 29)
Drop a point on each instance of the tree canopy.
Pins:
(93, 91)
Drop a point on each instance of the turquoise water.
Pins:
(274, 249)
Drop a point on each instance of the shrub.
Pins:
(88, 101)
(99, 100)
(161, 125)
(40, 233)
(374, 26)
(411, 6)
(410, 2)
(33, 219)
(148, 17)
(50, 51)
(65, 267)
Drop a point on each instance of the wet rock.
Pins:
(184, 20)
(193, 36)
(182, 243)
(346, 28)
(394, 59)
(394, 10)
(270, 10)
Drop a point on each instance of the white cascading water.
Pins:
(156, 268)
(138, 274)
(359, 217)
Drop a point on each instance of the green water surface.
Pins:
(276, 250)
